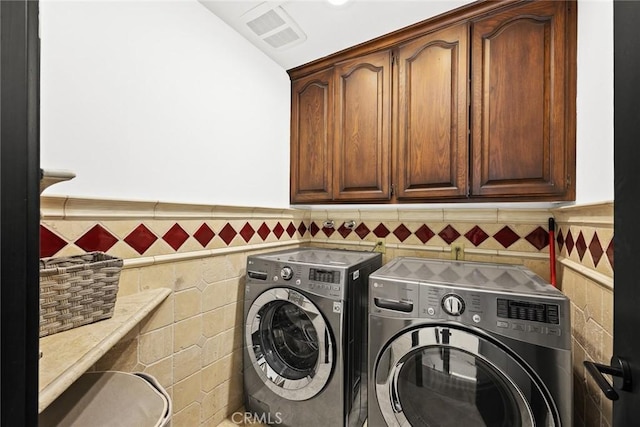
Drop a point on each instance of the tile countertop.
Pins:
(67, 355)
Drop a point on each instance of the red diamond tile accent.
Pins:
(581, 246)
(264, 231)
(278, 230)
(50, 243)
(381, 231)
(313, 229)
(247, 232)
(204, 234)
(424, 233)
(344, 231)
(140, 239)
(449, 234)
(560, 240)
(98, 239)
(328, 231)
(175, 236)
(569, 243)
(402, 232)
(539, 238)
(362, 230)
(227, 233)
(476, 235)
(506, 236)
(291, 229)
(610, 253)
(596, 249)
(302, 229)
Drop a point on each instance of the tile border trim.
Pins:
(599, 278)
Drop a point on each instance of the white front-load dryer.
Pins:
(467, 344)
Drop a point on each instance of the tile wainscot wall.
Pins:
(192, 343)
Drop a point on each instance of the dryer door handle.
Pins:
(619, 368)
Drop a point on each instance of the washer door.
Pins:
(289, 343)
(444, 375)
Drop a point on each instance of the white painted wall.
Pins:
(160, 100)
(594, 132)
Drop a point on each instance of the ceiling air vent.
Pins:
(272, 25)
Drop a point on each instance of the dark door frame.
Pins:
(20, 211)
(626, 345)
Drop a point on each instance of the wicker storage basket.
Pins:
(77, 290)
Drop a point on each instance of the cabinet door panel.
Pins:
(361, 167)
(311, 138)
(519, 101)
(432, 158)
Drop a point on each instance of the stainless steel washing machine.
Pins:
(305, 340)
(467, 344)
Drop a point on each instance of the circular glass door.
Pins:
(445, 376)
(289, 343)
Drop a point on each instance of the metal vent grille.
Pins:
(282, 38)
(265, 23)
(273, 26)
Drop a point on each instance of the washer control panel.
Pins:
(325, 282)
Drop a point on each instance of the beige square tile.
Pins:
(211, 350)
(187, 333)
(189, 274)
(187, 392)
(607, 311)
(233, 315)
(213, 296)
(578, 322)
(158, 276)
(160, 317)
(188, 303)
(213, 322)
(187, 417)
(216, 420)
(216, 373)
(156, 345)
(594, 300)
(210, 405)
(187, 362)
(162, 371)
(594, 336)
(129, 282)
(227, 342)
(122, 357)
(580, 294)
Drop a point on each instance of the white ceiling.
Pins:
(328, 28)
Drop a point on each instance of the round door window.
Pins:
(288, 340)
(289, 343)
(445, 376)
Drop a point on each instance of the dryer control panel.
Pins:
(540, 320)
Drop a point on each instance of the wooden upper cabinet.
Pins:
(475, 105)
(432, 86)
(522, 121)
(312, 137)
(362, 138)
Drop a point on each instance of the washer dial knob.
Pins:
(286, 273)
(453, 305)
